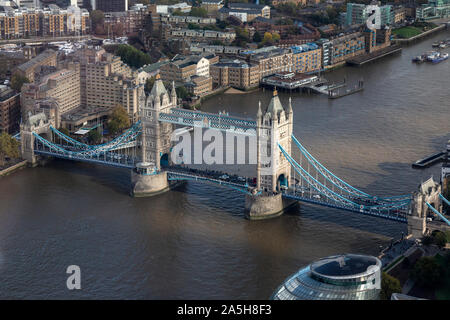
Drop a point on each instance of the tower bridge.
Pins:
(281, 180)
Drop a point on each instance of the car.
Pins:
(224, 177)
(316, 196)
(429, 219)
(284, 187)
(242, 179)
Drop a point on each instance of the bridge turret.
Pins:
(173, 94)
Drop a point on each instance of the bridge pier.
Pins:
(258, 207)
(147, 182)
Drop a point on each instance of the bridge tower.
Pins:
(39, 124)
(428, 192)
(155, 141)
(273, 127)
(273, 171)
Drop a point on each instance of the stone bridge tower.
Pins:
(273, 126)
(147, 178)
(273, 171)
(39, 124)
(428, 192)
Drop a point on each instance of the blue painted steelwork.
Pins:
(444, 199)
(200, 119)
(178, 175)
(438, 213)
(339, 183)
(393, 210)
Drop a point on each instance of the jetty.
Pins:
(366, 58)
(430, 160)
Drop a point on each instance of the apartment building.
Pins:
(345, 47)
(9, 110)
(110, 5)
(132, 20)
(235, 73)
(203, 35)
(270, 60)
(50, 21)
(212, 6)
(29, 68)
(306, 58)
(184, 20)
(199, 85)
(246, 12)
(182, 68)
(63, 86)
(89, 78)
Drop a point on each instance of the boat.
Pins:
(435, 44)
(443, 45)
(432, 55)
(418, 59)
(440, 57)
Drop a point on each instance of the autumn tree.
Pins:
(119, 120)
(17, 81)
(9, 148)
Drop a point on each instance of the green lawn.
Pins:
(407, 32)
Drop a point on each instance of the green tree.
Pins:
(275, 37)
(257, 37)
(132, 56)
(97, 18)
(182, 92)
(439, 238)
(389, 285)
(427, 272)
(119, 120)
(9, 147)
(17, 81)
(94, 136)
(177, 12)
(149, 84)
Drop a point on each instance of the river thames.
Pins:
(194, 243)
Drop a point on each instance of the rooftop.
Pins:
(36, 60)
(345, 265)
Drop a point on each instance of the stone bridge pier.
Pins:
(428, 192)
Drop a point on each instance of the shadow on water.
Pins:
(116, 179)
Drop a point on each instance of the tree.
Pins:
(149, 84)
(9, 147)
(182, 92)
(118, 29)
(17, 81)
(439, 238)
(119, 120)
(427, 272)
(267, 37)
(94, 136)
(275, 37)
(257, 37)
(132, 56)
(97, 18)
(389, 285)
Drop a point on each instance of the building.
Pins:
(399, 15)
(342, 277)
(246, 12)
(182, 68)
(203, 35)
(344, 47)
(87, 79)
(377, 39)
(434, 9)
(110, 5)
(12, 58)
(270, 60)
(29, 68)
(357, 14)
(296, 2)
(185, 20)
(306, 58)
(49, 21)
(235, 73)
(9, 110)
(212, 6)
(199, 85)
(62, 86)
(165, 9)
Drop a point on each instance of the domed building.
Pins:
(341, 277)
